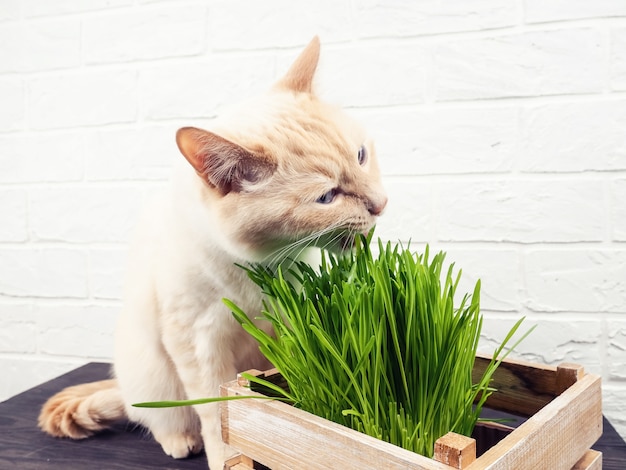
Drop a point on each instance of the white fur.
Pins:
(175, 338)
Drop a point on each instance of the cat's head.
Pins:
(287, 168)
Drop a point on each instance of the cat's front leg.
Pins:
(210, 420)
(204, 361)
(145, 373)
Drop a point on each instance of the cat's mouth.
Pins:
(346, 242)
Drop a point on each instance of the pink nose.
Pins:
(377, 207)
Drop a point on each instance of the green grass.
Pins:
(377, 343)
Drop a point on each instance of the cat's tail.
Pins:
(78, 412)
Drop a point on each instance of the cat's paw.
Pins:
(180, 446)
(218, 455)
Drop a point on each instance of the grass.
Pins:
(377, 343)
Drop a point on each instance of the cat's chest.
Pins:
(193, 292)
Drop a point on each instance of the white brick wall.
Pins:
(501, 127)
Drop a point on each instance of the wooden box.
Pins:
(563, 406)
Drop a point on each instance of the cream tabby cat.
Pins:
(286, 170)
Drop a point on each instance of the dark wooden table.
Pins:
(24, 447)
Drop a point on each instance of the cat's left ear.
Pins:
(299, 77)
(223, 164)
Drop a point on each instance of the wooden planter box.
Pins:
(563, 406)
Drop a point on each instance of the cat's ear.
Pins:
(223, 164)
(299, 77)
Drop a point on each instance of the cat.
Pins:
(283, 172)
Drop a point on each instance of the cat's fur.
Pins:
(251, 193)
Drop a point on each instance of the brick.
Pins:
(553, 341)
(83, 215)
(42, 157)
(569, 280)
(9, 10)
(150, 33)
(71, 330)
(14, 227)
(43, 272)
(330, 19)
(123, 154)
(614, 405)
(520, 210)
(202, 89)
(107, 273)
(33, 8)
(618, 59)
(12, 99)
(432, 17)
(617, 349)
(574, 137)
(19, 373)
(371, 75)
(409, 212)
(39, 45)
(618, 209)
(444, 141)
(83, 99)
(537, 11)
(535, 63)
(18, 328)
(499, 271)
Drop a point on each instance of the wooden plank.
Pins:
(522, 388)
(283, 437)
(239, 462)
(556, 437)
(592, 460)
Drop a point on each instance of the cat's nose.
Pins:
(376, 207)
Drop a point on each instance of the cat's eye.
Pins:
(327, 197)
(362, 155)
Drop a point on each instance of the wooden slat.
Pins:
(283, 437)
(239, 462)
(592, 460)
(556, 437)
(522, 388)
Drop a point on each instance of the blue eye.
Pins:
(362, 155)
(328, 197)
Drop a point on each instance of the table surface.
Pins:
(24, 447)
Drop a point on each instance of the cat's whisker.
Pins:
(295, 249)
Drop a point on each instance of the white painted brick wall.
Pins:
(534, 63)
(12, 99)
(82, 99)
(43, 45)
(88, 215)
(500, 124)
(147, 33)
